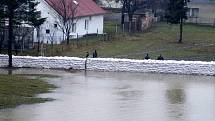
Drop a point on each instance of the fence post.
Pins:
(41, 51)
(77, 40)
(123, 27)
(97, 31)
(85, 64)
(214, 21)
(116, 29)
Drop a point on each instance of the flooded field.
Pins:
(113, 96)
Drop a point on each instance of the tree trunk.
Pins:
(181, 31)
(11, 15)
(1, 42)
(123, 17)
(38, 39)
(129, 27)
(16, 47)
(2, 36)
(123, 14)
(67, 39)
(123, 22)
(130, 23)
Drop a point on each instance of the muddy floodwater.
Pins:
(120, 96)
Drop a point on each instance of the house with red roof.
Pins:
(88, 19)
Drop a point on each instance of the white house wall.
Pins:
(206, 13)
(56, 34)
(48, 13)
(95, 25)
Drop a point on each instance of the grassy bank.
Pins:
(198, 44)
(19, 89)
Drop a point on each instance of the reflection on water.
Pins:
(108, 96)
(175, 96)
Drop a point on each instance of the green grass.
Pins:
(19, 89)
(198, 44)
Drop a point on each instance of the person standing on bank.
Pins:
(160, 57)
(87, 55)
(147, 56)
(95, 54)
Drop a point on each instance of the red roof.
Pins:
(83, 8)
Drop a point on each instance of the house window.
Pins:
(74, 27)
(86, 26)
(55, 25)
(193, 12)
(47, 31)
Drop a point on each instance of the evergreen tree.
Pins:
(2, 24)
(176, 13)
(17, 12)
(1, 12)
(129, 7)
(35, 20)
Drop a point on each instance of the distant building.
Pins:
(201, 12)
(142, 20)
(88, 20)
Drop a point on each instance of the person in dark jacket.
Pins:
(147, 56)
(160, 57)
(87, 55)
(95, 55)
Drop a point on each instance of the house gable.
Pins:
(82, 7)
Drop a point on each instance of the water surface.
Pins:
(114, 96)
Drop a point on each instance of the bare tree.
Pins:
(155, 5)
(123, 13)
(129, 7)
(66, 13)
(21, 37)
(52, 36)
(108, 2)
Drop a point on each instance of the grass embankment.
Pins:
(19, 89)
(198, 43)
